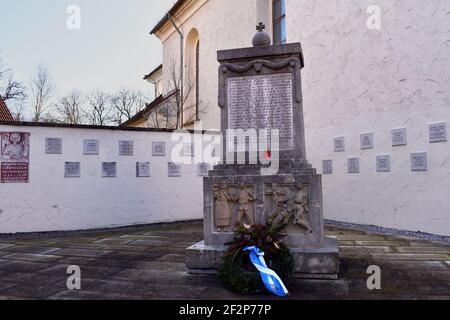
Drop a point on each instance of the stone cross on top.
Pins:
(260, 27)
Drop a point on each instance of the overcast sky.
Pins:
(112, 49)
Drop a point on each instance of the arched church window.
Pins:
(197, 81)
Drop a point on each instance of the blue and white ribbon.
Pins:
(271, 280)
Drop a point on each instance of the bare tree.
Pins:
(188, 108)
(43, 91)
(10, 89)
(99, 111)
(70, 108)
(18, 110)
(126, 103)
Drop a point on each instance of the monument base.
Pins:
(310, 263)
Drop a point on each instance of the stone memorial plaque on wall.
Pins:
(14, 172)
(262, 102)
(438, 132)
(126, 148)
(158, 149)
(109, 169)
(353, 165)
(399, 137)
(327, 166)
(174, 169)
(91, 147)
(202, 169)
(367, 141)
(72, 170)
(142, 169)
(53, 146)
(339, 144)
(384, 163)
(419, 161)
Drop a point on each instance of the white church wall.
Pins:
(51, 202)
(220, 26)
(358, 80)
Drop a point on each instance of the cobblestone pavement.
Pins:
(148, 263)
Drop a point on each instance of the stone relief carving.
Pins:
(233, 205)
(290, 205)
(222, 207)
(246, 198)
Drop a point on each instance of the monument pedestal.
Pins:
(310, 263)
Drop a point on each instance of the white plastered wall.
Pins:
(51, 202)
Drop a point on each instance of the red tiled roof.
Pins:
(5, 115)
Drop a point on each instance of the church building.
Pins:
(375, 84)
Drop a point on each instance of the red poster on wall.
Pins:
(14, 172)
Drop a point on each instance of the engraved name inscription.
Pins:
(262, 102)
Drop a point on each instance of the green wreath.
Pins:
(238, 273)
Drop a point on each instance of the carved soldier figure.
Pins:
(222, 211)
(291, 204)
(300, 206)
(280, 215)
(245, 199)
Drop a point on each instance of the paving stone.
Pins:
(413, 265)
(5, 285)
(32, 257)
(423, 249)
(408, 256)
(158, 276)
(92, 295)
(361, 237)
(224, 294)
(346, 243)
(368, 249)
(31, 249)
(129, 237)
(151, 243)
(112, 241)
(381, 243)
(82, 261)
(417, 243)
(82, 252)
(33, 279)
(29, 291)
(87, 272)
(137, 256)
(318, 286)
(173, 258)
(4, 253)
(22, 266)
(427, 275)
(156, 265)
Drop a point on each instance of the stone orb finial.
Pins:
(261, 38)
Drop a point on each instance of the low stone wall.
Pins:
(71, 183)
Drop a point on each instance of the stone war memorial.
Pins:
(260, 92)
